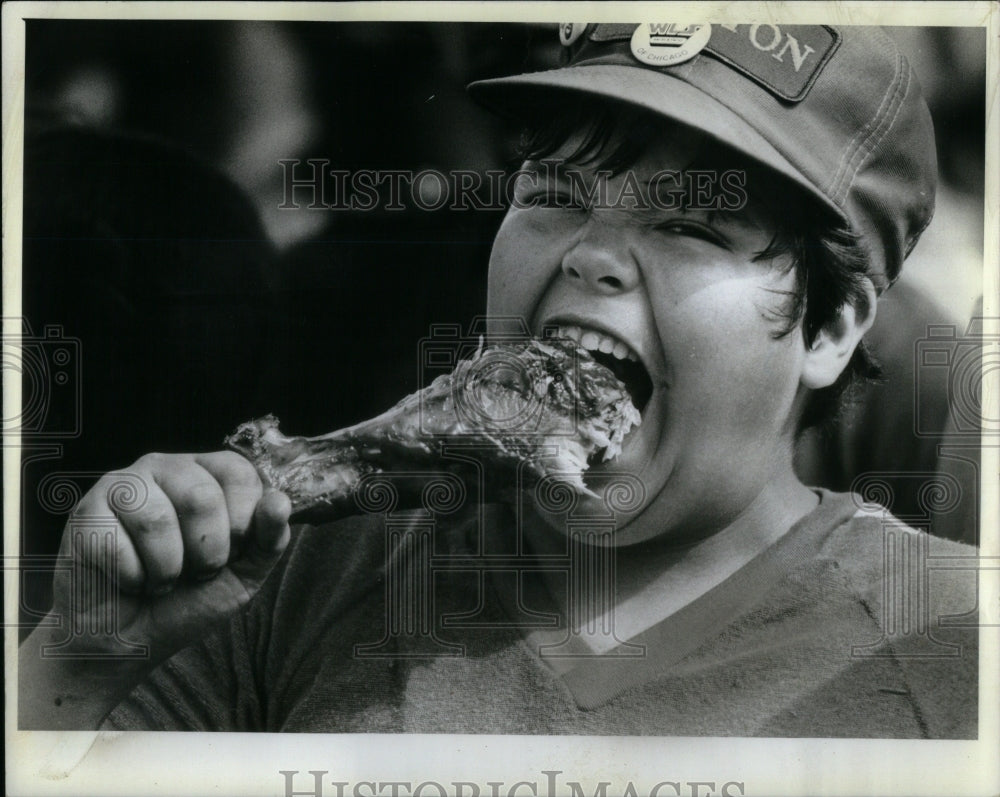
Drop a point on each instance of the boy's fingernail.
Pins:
(162, 589)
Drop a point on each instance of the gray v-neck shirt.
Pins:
(846, 627)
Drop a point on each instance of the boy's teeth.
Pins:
(573, 333)
(597, 341)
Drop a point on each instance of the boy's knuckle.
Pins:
(158, 520)
(167, 568)
(200, 498)
(241, 473)
(93, 502)
(215, 561)
(153, 461)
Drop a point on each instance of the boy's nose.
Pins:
(602, 262)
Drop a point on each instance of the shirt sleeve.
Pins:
(237, 679)
(921, 591)
(210, 686)
(214, 684)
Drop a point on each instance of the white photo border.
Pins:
(81, 763)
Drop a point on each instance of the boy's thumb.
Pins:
(269, 538)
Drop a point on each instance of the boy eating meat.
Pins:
(714, 210)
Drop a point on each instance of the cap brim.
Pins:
(657, 92)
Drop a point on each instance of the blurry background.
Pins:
(153, 232)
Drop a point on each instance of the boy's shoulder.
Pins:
(888, 558)
(897, 608)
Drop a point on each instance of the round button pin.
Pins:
(668, 43)
(569, 32)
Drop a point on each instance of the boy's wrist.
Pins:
(60, 690)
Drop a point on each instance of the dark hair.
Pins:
(829, 260)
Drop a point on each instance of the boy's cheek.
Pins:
(726, 363)
(720, 289)
(541, 229)
(711, 318)
(522, 264)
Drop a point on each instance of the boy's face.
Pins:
(683, 291)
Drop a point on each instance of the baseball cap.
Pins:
(836, 110)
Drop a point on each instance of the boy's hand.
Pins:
(197, 544)
(194, 537)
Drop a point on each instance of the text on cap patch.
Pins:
(784, 59)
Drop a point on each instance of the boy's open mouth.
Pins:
(633, 375)
(617, 357)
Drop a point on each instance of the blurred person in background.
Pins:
(156, 263)
(900, 430)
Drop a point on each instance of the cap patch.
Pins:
(668, 43)
(785, 59)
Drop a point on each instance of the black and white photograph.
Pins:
(449, 400)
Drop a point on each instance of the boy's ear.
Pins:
(834, 346)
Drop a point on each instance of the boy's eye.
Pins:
(693, 229)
